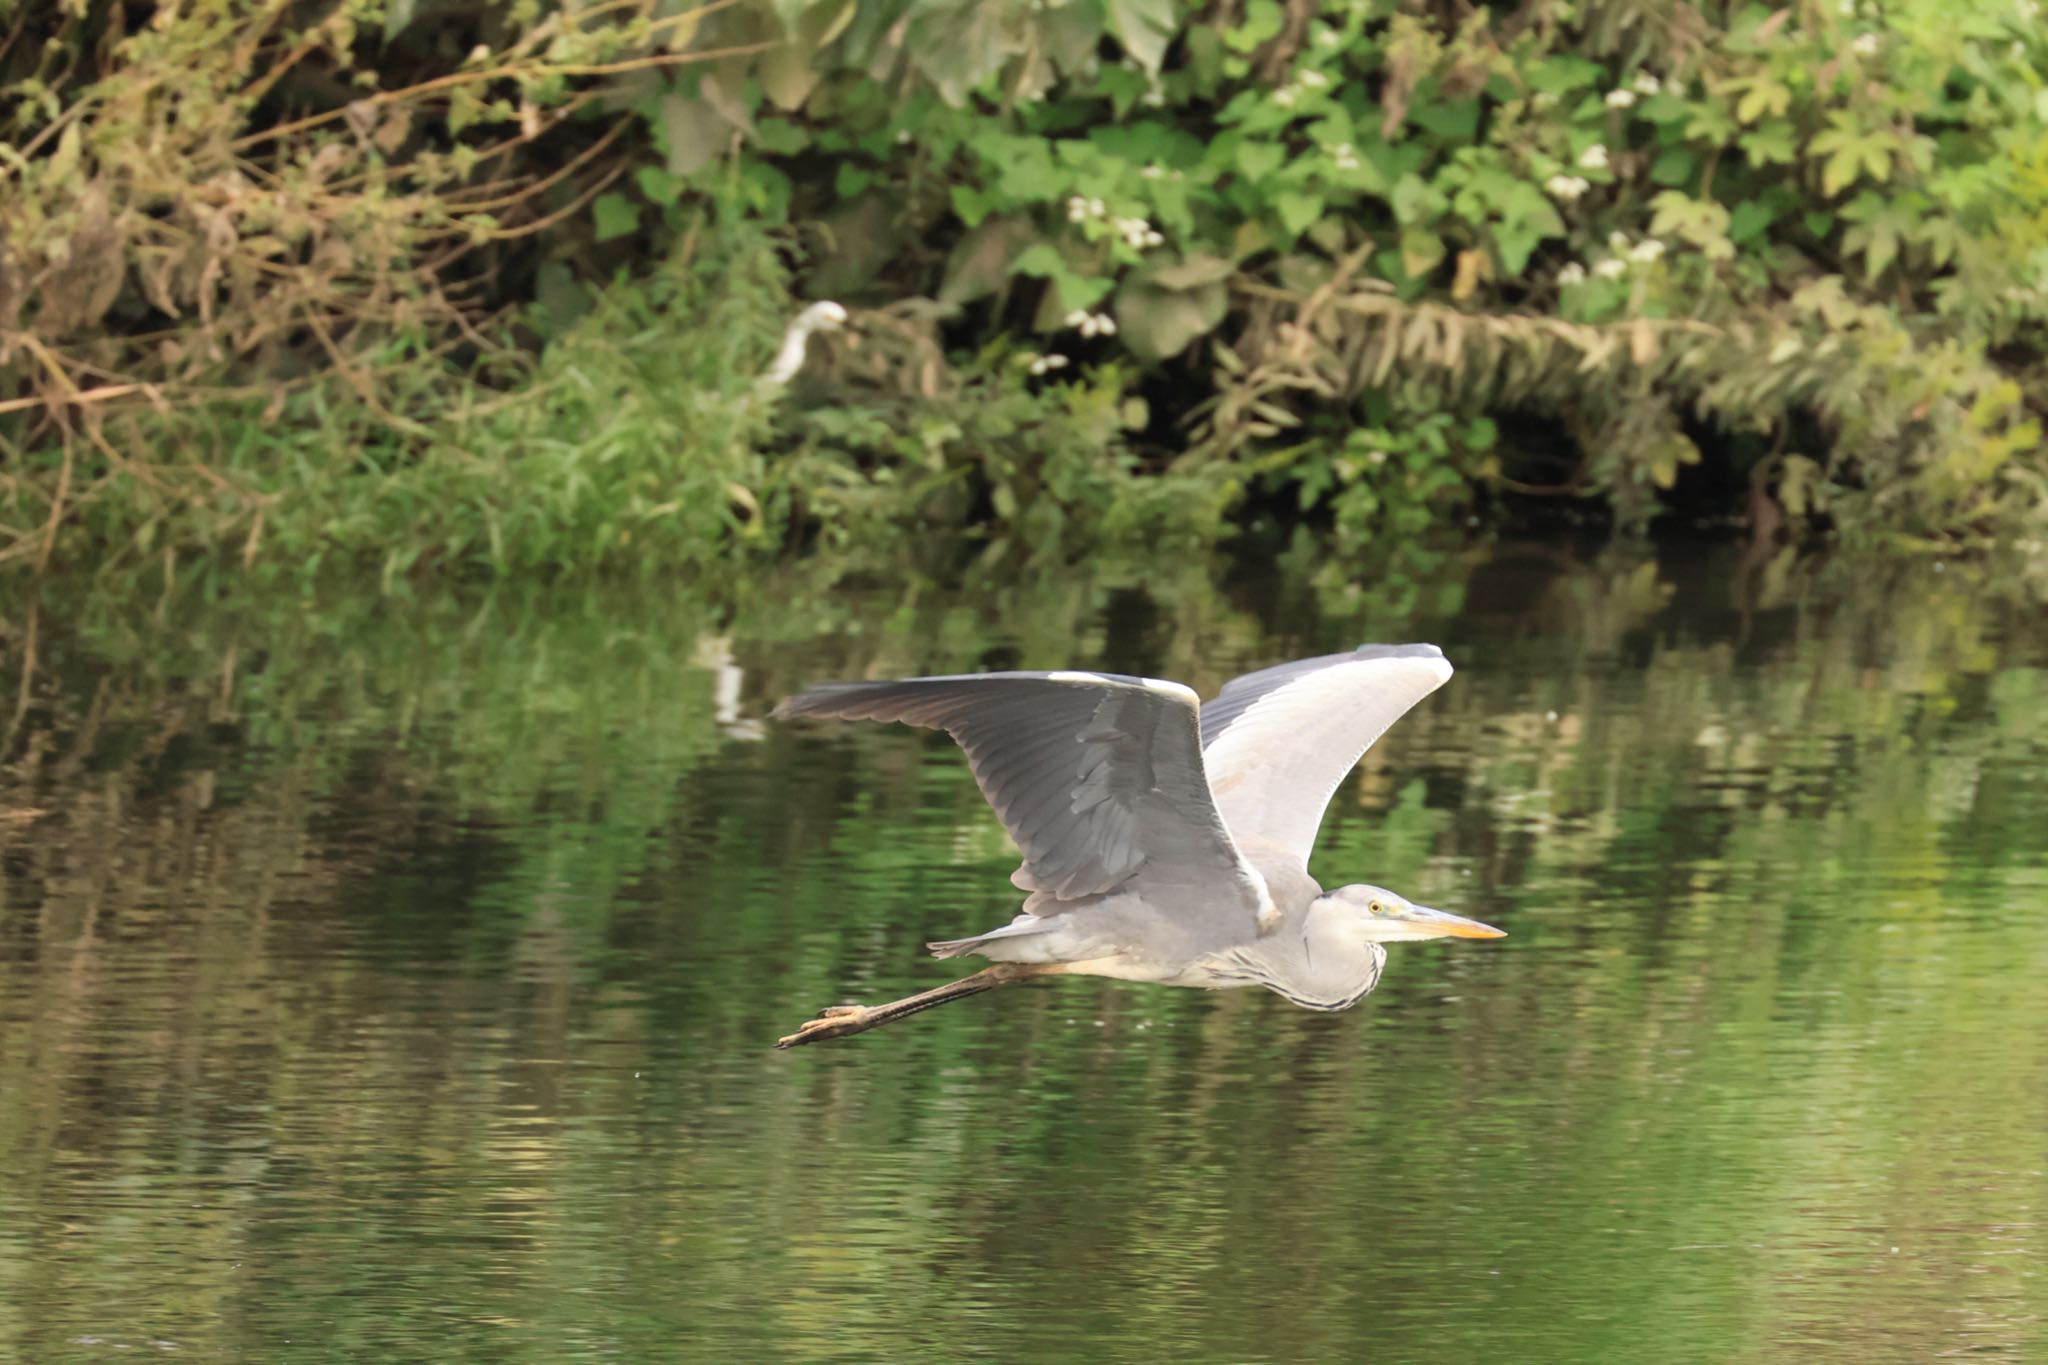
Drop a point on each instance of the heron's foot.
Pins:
(834, 1021)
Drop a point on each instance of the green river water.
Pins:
(394, 980)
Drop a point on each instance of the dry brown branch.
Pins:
(511, 72)
(566, 211)
(567, 169)
(364, 389)
(105, 394)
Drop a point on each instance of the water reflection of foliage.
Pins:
(344, 884)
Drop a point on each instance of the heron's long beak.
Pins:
(1427, 923)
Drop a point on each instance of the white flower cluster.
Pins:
(1155, 171)
(1136, 231)
(1865, 45)
(1046, 364)
(1620, 99)
(1646, 85)
(1613, 267)
(1345, 155)
(1091, 324)
(1594, 158)
(1139, 234)
(1645, 251)
(1567, 188)
(1288, 95)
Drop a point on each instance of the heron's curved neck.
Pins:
(790, 358)
(1319, 963)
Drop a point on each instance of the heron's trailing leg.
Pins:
(840, 1021)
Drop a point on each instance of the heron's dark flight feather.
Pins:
(1097, 776)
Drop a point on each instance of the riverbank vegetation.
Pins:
(458, 284)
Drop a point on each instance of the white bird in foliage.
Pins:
(826, 316)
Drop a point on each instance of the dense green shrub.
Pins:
(1815, 238)
(1115, 264)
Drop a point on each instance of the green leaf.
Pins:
(1761, 95)
(1882, 223)
(1263, 20)
(690, 133)
(1709, 124)
(960, 47)
(1516, 243)
(1562, 74)
(1158, 323)
(970, 204)
(1770, 143)
(1144, 27)
(658, 185)
(1041, 259)
(63, 162)
(616, 215)
(781, 137)
(1170, 208)
(1527, 206)
(984, 258)
(1192, 273)
(1297, 210)
(1421, 251)
(1454, 121)
(1257, 160)
(1674, 166)
(1080, 291)
(1416, 201)
(1747, 219)
(1839, 173)
(1023, 168)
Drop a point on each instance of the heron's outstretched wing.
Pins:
(1277, 742)
(1098, 777)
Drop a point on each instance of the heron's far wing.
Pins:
(1277, 742)
(1098, 777)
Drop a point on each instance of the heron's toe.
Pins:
(835, 1021)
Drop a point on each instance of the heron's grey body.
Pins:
(1137, 937)
(1165, 840)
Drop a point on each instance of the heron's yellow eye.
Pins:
(1377, 907)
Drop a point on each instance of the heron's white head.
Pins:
(1389, 918)
(820, 317)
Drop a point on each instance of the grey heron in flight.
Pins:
(1166, 839)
